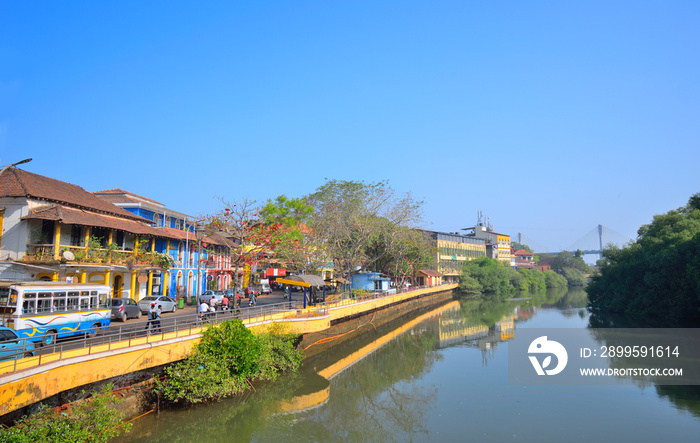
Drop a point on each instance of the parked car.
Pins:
(208, 295)
(123, 308)
(168, 304)
(11, 345)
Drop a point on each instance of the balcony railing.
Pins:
(81, 254)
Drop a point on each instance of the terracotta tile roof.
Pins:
(178, 234)
(19, 183)
(117, 198)
(214, 239)
(219, 240)
(122, 196)
(522, 253)
(73, 216)
(431, 273)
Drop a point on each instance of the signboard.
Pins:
(276, 272)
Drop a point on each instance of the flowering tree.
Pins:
(255, 241)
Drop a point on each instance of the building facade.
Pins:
(53, 230)
(498, 246)
(211, 266)
(453, 251)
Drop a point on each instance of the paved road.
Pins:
(137, 327)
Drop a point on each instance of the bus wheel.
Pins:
(94, 329)
(49, 338)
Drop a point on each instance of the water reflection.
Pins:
(402, 374)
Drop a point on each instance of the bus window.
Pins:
(104, 299)
(44, 302)
(73, 301)
(29, 307)
(59, 301)
(4, 296)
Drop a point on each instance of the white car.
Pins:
(208, 295)
(167, 304)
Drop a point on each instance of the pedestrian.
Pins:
(156, 318)
(151, 315)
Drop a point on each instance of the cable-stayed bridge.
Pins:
(592, 242)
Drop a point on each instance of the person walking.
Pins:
(151, 315)
(156, 319)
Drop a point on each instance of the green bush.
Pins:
(224, 362)
(554, 280)
(93, 420)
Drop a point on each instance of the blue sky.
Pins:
(550, 117)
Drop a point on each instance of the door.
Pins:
(118, 286)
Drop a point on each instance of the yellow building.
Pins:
(497, 245)
(453, 250)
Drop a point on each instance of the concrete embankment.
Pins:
(131, 368)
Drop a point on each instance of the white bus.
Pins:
(45, 311)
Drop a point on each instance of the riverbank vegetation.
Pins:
(226, 361)
(657, 277)
(93, 419)
(485, 276)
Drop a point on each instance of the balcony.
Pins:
(44, 253)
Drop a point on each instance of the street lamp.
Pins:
(199, 233)
(26, 160)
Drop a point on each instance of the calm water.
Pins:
(439, 374)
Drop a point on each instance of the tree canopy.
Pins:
(658, 275)
(360, 224)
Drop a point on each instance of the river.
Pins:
(436, 374)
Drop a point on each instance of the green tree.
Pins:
(516, 245)
(657, 277)
(298, 247)
(351, 215)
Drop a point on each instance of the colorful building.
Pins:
(53, 230)
(497, 245)
(453, 251)
(180, 243)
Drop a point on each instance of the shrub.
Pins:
(93, 420)
(228, 356)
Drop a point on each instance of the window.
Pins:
(73, 301)
(75, 235)
(29, 304)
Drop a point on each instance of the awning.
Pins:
(302, 280)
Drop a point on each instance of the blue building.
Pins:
(370, 281)
(178, 241)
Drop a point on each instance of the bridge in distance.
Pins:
(592, 242)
